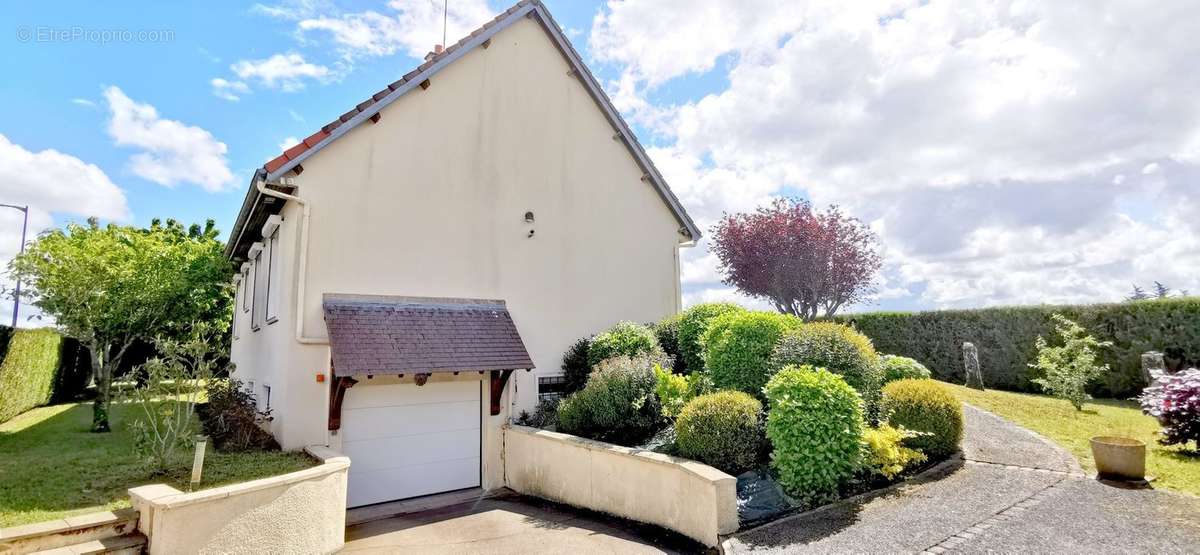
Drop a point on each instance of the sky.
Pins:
(1006, 152)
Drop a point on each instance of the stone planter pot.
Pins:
(1119, 458)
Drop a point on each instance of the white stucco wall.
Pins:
(300, 512)
(688, 497)
(431, 202)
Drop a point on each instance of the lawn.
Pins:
(51, 466)
(1173, 467)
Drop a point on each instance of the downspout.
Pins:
(261, 185)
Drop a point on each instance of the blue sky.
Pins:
(1004, 152)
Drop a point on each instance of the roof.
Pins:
(281, 165)
(370, 334)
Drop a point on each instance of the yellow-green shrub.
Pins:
(720, 430)
(884, 451)
(815, 424)
(925, 406)
(738, 347)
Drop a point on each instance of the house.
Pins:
(412, 273)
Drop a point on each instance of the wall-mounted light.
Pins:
(529, 217)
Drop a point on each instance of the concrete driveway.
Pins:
(1012, 492)
(510, 524)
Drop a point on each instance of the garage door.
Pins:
(406, 441)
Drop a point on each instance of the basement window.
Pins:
(551, 387)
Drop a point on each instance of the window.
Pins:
(273, 276)
(551, 387)
(246, 273)
(257, 286)
(266, 399)
(237, 295)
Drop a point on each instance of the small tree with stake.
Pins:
(806, 263)
(111, 286)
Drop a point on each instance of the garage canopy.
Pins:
(371, 334)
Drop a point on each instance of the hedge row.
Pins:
(39, 366)
(1005, 337)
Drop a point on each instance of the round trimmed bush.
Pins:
(692, 325)
(815, 424)
(925, 406)
(738, 347)
(902, 368)
(667, 331)
(618, 404)
(836, 348)
(720, 430)
(575, 365)
(627, 339)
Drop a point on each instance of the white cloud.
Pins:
(295, 116)
(413, 29)
(228, 90)
(287, 72)
(1007, 151)
(172, 152)
(83, 102)
(48, 182)
(288, 142)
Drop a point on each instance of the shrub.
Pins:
(721, 430)
(545, 415)
(836, 348)
(672, 391)
(902, 368)
(667, 331)
(815, 424)
(884, 451)
(624, 339)
(232, 420)
(692, 325)
(618, 404)
(1174, 399)
(1068, 369)
(29, 369)
(1006, 339)
(738, 346)
(924, 406)
(575, 365)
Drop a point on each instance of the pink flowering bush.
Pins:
(1174, 399)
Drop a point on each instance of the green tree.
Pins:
(111, 286)
(1067, 369)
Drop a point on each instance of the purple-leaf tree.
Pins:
(804, 262)
(1174, 399)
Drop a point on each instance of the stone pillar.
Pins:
(1153, 365)
(971, 363)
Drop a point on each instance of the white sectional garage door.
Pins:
(406, 441)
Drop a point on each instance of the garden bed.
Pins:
(51, 466)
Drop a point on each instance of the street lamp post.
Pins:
(24, 225)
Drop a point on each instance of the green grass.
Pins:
(51, 466)
(1173, 467)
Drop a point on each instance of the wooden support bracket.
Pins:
(376, 117)
(425, 84)
(499, 380)
(339, 385)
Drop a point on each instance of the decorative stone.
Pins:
(971, 364)
(1153, 365)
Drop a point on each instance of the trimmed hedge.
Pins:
(721, 430)
(692, 326)
(29, 370)
(925, 406)
(1005, 338)
(738, 347)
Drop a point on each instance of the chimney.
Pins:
(437, 49)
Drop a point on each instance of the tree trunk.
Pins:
(102, 372)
